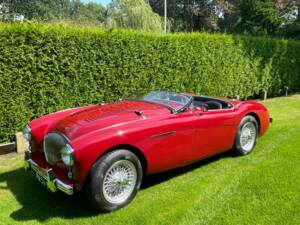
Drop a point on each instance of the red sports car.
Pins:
(106, 149)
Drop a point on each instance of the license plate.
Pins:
(40, 175)
(41, 179)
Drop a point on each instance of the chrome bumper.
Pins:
(46, 177)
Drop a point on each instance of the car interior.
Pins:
(211, 103)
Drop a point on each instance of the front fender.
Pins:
(43, 125)
(89, 150)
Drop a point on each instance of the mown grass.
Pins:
(261, 188)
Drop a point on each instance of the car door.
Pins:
(172, 143)
(215, 131)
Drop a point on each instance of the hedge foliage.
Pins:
(45, 68)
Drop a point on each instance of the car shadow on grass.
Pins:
(154, 179)
(39, 204)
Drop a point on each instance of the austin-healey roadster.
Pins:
(105, 150)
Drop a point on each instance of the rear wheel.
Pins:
(114, 180)
(246, 137)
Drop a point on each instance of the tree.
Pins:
(135, 14)
(175, 13)
(259, 17)
(36, 9)
(91, 13)
(189, 15)
(256, 17)
(54, 10)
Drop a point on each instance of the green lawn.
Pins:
(261, 188)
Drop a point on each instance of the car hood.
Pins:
(96, 117)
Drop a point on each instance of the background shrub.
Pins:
(45, 68)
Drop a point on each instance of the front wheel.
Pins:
(114, 180)
(246, 137)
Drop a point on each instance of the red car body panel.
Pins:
(165, 140)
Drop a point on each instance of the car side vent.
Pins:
(53, 143)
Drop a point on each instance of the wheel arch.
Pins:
(132, 149)
(256, 118)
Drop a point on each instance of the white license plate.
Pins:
(41, 179)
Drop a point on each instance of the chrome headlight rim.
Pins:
(67, 155)
(27, 133)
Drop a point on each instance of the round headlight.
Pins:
(27, 133)
(67, 155)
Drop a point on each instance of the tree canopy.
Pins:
(54, 10)
(255, 17)
(135, 14)
(279, 18)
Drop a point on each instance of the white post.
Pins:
(165, 17)
(22, 144)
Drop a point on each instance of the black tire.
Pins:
(238, 146)
(94, 185)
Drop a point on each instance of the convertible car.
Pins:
(105, 150)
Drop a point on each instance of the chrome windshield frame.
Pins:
(172, 109)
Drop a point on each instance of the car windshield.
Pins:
(175, 102)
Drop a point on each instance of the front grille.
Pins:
(53, 143)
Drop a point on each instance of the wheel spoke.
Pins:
(248, 136)
(119, 181)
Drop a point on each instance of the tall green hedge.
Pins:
(45, 68)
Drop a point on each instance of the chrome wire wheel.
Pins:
(248, 136)
(119, 181)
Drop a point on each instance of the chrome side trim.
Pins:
(163, 134)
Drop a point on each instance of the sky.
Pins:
(103, 2)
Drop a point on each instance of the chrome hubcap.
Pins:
(119, 181)
(248, 136)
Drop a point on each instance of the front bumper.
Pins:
(47, 178)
